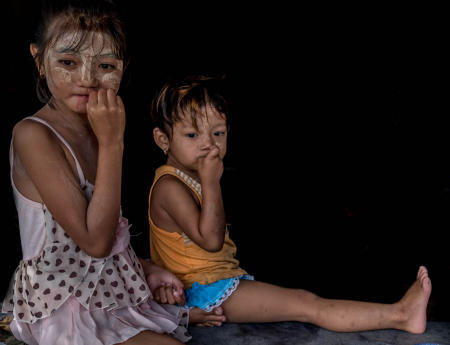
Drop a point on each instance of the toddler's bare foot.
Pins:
(413, 305)
(202, 318)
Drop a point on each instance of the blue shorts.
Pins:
(208, 297)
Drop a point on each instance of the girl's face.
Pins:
(71, 74)
(189, 145)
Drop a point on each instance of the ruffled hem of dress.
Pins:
(42, 284)
(72, 324)
(228, 292)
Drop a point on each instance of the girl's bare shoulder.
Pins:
(32, 136)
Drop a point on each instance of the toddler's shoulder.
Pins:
(167, 183)
(169, 187)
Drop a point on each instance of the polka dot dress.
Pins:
(105, 289)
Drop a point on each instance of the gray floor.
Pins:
(294, 333)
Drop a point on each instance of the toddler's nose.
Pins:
(207, 142)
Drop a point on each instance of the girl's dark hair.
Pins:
(188, 97)
(80, 17)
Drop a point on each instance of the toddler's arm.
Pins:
(174, 207)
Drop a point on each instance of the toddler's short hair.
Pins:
(187, 97)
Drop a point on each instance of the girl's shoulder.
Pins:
(31, 129)
(33, 136)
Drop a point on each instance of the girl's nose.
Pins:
(87, 75)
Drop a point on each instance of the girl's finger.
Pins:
(101, 97)
(111, 97)
(119, 102)
(92, 101)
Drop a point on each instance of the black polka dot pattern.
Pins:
(62, 270)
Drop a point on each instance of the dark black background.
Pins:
(337, 174)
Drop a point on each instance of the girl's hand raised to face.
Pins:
(106, 114)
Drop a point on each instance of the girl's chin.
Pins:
(80, 107)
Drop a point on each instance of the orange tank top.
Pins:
(178, 254)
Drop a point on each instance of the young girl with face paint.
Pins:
(188, 234)
(80, 281)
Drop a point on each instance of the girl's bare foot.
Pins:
(200, 317)
(413, 305)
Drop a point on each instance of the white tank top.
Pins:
(29, 212)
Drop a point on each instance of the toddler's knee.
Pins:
(307, 305)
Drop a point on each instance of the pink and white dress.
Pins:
(60, 295)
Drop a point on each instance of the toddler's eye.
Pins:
(191, 135)
(218, 134)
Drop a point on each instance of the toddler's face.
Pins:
(189, 145)
(71, 73)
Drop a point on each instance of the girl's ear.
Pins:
(33, 50)
(161, 139)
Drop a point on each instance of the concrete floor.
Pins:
(295, 333)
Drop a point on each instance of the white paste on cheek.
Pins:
(113, 78)
(56, 72)
(64, 74)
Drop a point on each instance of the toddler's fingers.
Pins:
(178, 286)
(162, 294)
(169, 295)
(214, 152)
(156, 296)
(180, 299)
(178, 292)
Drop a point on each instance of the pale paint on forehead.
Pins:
(96, 46)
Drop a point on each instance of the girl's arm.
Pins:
(45, 165)
(106, 114)
(176, 209)
(164, 285)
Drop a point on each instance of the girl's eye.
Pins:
(191, 135)
(67, 62)
(106, 66)
(218, 134)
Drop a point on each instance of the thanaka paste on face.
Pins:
(95, 47)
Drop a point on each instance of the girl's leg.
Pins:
(151, 338)
(260, 302)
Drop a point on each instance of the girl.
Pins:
(80, 282)
(188, 234)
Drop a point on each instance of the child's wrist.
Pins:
(147, 266)
(211, 185)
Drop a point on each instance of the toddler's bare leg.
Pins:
(152, 338)
(261, 302)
